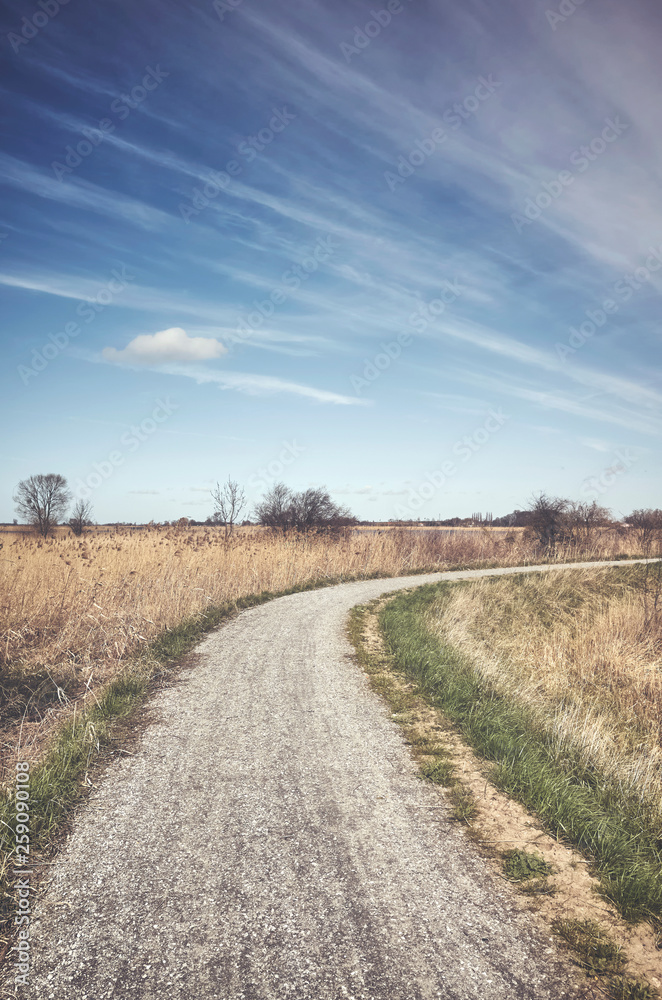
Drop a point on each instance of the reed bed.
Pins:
(73, 611)
(582, 651)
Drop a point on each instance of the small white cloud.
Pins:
(165, 346)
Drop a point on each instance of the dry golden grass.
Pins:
(583, 651)
(73, 611)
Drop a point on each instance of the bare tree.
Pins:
(548, 519)
(42, 501)
(275, 510)
(81, 516)
(647, 524)
(229, 501)
(583, 519)
(311, 510)
(314, 510)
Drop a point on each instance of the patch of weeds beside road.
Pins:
(529, 871)
(595, 950)
(602, 958)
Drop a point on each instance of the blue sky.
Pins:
(409, 251)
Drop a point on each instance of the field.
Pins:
(74, 611)
(583, 652)
(555, 680)
(86, 624)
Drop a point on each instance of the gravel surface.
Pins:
(270, 839)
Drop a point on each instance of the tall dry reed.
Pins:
(99, 598)
(582, 650)
(74, 610)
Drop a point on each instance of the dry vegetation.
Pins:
(582, 651)
(555, 680)
(73, 610)
(554, 879)
(86, 624)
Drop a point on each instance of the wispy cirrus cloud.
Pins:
(262, 385)
(494, 342)
(79, 193)
(542, 397)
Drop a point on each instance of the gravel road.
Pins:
(269, 839)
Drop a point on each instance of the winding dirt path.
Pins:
(270, 839)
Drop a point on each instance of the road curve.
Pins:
(269, 840)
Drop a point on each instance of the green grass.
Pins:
(464, 804)
(572, 801)
(440, 772)
(433, 759)
(624, 988)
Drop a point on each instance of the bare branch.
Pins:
(229, 501)
(81, 516)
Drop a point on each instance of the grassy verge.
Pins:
(574, 802)
(427, 731)
(581, 651)
(402, 698)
